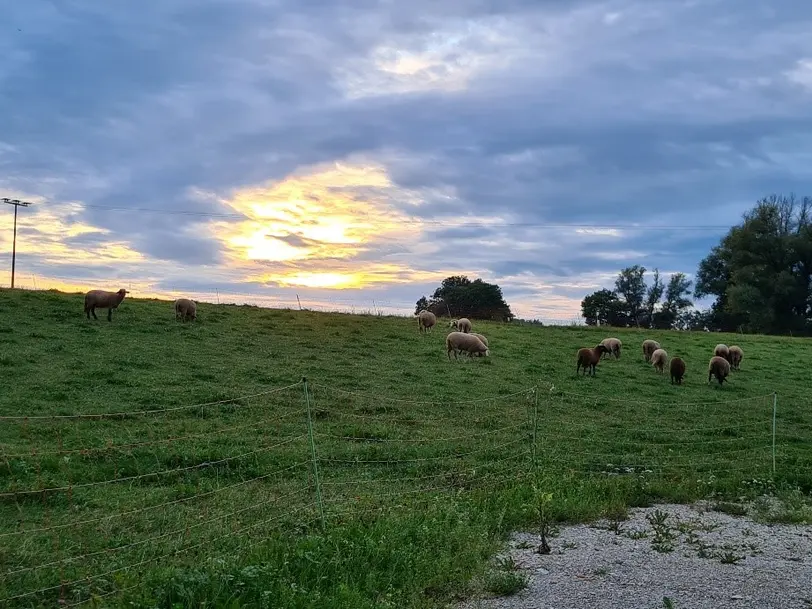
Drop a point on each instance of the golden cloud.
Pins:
(42, 231)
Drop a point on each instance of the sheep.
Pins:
(659, 359)
(480, 337)
(103, 300)
(185, 309)
(463, 324)
(718, 367)
(649, 347)
(461, 341)
(614, 345)
(677, 370)
(589, 358)
(736, 356)
(722, 351)
(425, 321)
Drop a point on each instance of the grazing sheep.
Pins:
(722, 351)
(425, 321)
(649, 347)
(103, 300)
(463, 324)
(659, 359)
(614, 345)
(736, 356)
(185, 309)
(677, 370)
(480, 337)
(461, 341)
(718, 367)
(589, 358)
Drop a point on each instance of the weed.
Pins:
(733, 509)
(505, 583)
(729, 558)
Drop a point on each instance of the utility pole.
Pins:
(16, 203)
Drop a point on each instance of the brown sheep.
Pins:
(103, 300)
(460, 341)
(677, 370)
(614, 345)
(659, 359)
(722, 351)
(649, 347)
(718, 367)
(463, 324)
(185, 309)
(736, 356)
(589, 358)
(425, 321)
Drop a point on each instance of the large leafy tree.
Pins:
(761, 271)
(674, 311)
(630, 285)
(458, 296)
(603, 307)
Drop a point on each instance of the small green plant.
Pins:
(732, 509)
(729, 558)
(639, 534)
(668, 603)
(505, 583)
(663, 533)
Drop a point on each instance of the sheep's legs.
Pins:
(93, 312)
(109, 314)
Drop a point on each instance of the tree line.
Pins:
(458, 296)
(760, 276)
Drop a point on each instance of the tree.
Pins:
(631, 286)
(673, 312)
(761, 271)
(653, 295)
(603, 307)
(461, 297)
(422, 305)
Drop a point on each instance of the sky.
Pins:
(356, 153)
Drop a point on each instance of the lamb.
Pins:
(103, 300)
(736, 356)
(658, 359)
(589, 358)
(722, 351)
(677, 370)
(185, 309)
(461, 341)
(718, 367)
(463, 324)
(649, 347)
(614, 345)
(480, 337)
(425, 320)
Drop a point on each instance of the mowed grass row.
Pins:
(423, 462)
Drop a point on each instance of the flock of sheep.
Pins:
(101, 299)
(724, 359)
(462, 340)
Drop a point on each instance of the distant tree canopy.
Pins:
(761, 271)
(634, 303)
(461, 297)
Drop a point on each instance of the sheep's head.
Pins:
(453, 323)
(602, 349)
(122, 292)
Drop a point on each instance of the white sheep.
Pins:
(185, 309)
(649, 347)
(659, 359)
(459, 342)
(425, 320)
(103, 300)
(463, 324)
(480, 337)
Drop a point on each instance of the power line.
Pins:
(417, 221)
(16, 203)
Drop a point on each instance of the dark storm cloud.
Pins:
(617, 112)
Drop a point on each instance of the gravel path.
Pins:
(697, 558)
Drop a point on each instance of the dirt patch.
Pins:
(676, 556)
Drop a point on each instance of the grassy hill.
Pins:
(158, 463)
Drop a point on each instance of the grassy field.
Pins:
(152, 463)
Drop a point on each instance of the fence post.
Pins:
(535, 421)
(775, 407)
(313, 453)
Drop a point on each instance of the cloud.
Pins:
(351, 151)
